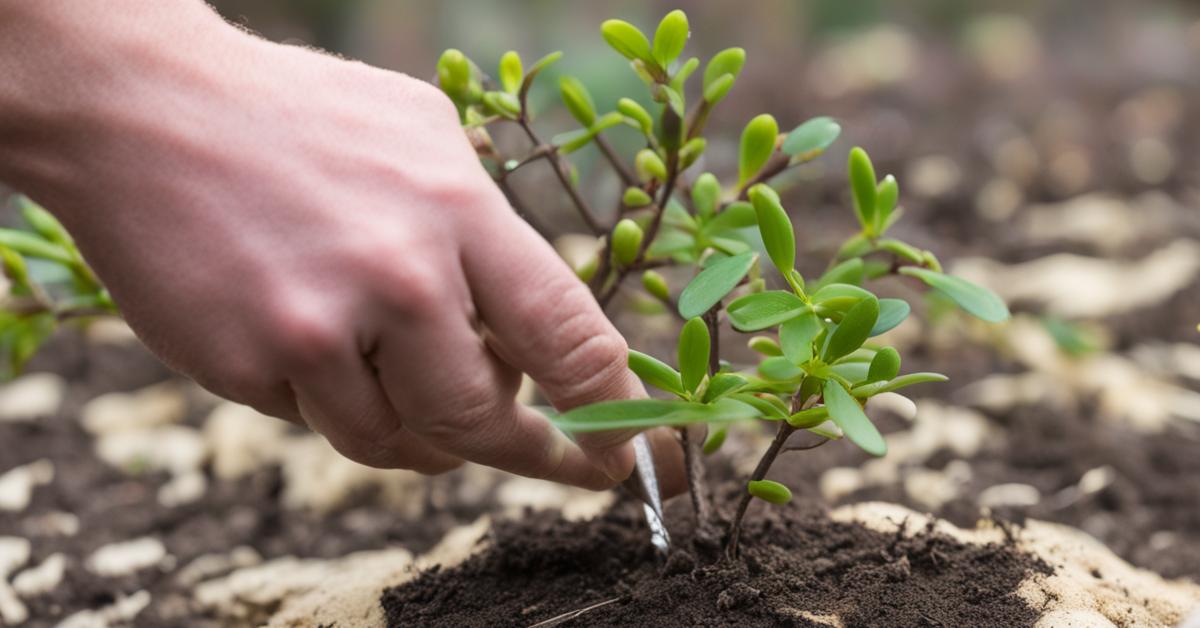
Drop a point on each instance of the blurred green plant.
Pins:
(819, 365)
(48, 283)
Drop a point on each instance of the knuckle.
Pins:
(413, 289)
(475, 409)
(306, 338)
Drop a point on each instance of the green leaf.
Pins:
(503, 104)
(811, 138)
(862, 184)
(757, 144)
(43, 222)
(511, 71)
(806, 419)
(769, 491)
(670, 37)
(649, 165)
(627, 40)
(886, 195)
(737, 215)
(775, 227)
(717, 90)
(892, 312)
(706, 194)
(885, 365)
(761, 310)
(840, 296)
(655, 372)
(796, 337)
(577, 99)
(728, 61)
(723, 384)
(670, 242)
(636, 197)
(769, 406)
(854, 329)
(31, 245)
(537, 67)
(902, 250)
(626, 240)
(848, 415)
(912, 379)
(646, 413)
(715, 440)
(656, 285)
(976, 300)
(693, 353)
(847, 272)
(765, 346)
(638, 114)
(454, 74)
(779, 370)
(691, 151)
(713, 283)
(685, 71)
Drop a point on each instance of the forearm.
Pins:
(86, 81)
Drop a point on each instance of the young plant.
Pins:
(819, 365)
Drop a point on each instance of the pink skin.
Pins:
(310, 236)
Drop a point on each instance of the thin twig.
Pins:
(585, 210)
(622, 170)
(651, 232)
(777, 164)
(760, 471)
(568, 616)
(806, 447)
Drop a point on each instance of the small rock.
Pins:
(737, 595)
(838, 482)
(41, 579)
(12, 611)
(16, 486)
(1010, 495)
(119, 559)
(153, 406)
(53, 523)
(14, 551)
(183, 489)
(120, 613)
(211, 565)
(172, 448)
(242, 440)
(31, 396)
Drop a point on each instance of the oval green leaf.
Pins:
(693, 353)
(975, 299)
(761, 310)
(769, 491)
(757, 144)
(627, 40)
(670, 37)
(811, 138)
(849, 416)
(655, 372)
(713, 283)
(728, 61)
(854, 329)
(892, 312)
(862, 184)
(511, 71)
(796, 337)
(646, 413)
(775, 227)
(885, 365)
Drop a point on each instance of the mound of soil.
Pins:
(796, 566)
(1147, 511)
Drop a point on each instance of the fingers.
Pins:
(544, 321)
(458, 397)
(344, 402)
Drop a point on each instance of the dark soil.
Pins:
(114, 506)
(795, 561)
(1149, 514)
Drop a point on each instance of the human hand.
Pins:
(315, 237)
